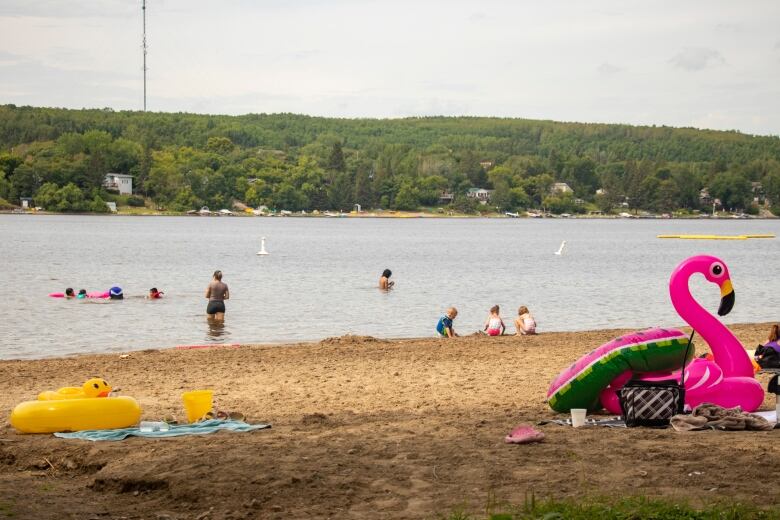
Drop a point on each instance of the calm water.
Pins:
(320, 277)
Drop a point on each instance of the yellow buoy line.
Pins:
(716, 237)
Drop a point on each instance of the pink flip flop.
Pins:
(524, 434)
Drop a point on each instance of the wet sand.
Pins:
(362, 428)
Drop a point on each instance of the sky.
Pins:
(705, 64)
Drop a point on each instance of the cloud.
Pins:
(69, 9)
(729, 28)
(696, 58)
(607, 69)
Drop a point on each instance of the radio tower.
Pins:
(143, 46)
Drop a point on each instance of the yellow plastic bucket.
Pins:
(197, 404)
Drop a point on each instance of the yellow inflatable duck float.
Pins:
(74, 409)
(94, 387)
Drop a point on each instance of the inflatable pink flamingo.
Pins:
(728, 380)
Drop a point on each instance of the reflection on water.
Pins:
(321, 278)
(216, 330)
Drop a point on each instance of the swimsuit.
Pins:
(215, 306)
(441, 327)
(494, 327)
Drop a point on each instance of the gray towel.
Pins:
(198, 428)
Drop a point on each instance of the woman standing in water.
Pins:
(217, 292)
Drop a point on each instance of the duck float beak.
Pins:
(726, 298)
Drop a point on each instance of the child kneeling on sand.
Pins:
(494, 325)
(444, 326)
(525, 323)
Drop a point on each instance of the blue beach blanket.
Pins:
(199, 428)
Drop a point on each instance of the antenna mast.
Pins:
(143, 10)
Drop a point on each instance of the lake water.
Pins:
(320, 278)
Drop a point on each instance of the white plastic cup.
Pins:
(578, 417)
(153, 426)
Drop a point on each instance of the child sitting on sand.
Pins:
(494, 325)
(444, 326)
(525, 323)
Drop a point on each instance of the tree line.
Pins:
(180, 161)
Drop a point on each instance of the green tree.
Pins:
(336, 161)
(408, 197)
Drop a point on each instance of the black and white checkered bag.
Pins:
(651, 403)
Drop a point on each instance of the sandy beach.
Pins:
(362, 428)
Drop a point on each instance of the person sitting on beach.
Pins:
(217, 292)
(444, 326)
(768, 354)
(82, 294)
(384, 281)
(69, 293)
(494, 325)
(154, 294)
(525, 323)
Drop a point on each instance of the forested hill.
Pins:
(288, 161)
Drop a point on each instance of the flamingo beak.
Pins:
(726, 298)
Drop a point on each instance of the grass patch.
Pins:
(7, 509)
(634, 508)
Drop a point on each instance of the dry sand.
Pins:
(362, 428)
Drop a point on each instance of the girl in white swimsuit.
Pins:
(494, 325)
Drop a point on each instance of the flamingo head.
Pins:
(715, 271)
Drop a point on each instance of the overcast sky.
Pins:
(707, 64)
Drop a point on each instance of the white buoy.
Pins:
(262, 247)
(559, 252)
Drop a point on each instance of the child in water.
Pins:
(525, 323)
(494, 325)
(444, 326)
(384, 281)
(69, 293)
(82, 294)
(154, 294)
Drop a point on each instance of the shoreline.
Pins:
(402, 215)
(313, 342)
(362, 427)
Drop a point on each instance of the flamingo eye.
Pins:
(716, 269)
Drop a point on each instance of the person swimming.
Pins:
(69, 293)
(82, 294)
(115, 293)
(154, 294)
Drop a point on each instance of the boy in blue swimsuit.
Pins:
(444, 326)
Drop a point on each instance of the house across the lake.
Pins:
(481, 194)
(120, 182)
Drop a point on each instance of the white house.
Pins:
(120, 182)
(561, 187)
(481, 194)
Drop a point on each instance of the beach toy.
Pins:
(74, 408)
(98, 294)
(651, 350)
(727, 380)
(75, 415)
(92, 388)
(197, 404)
(57, 295)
